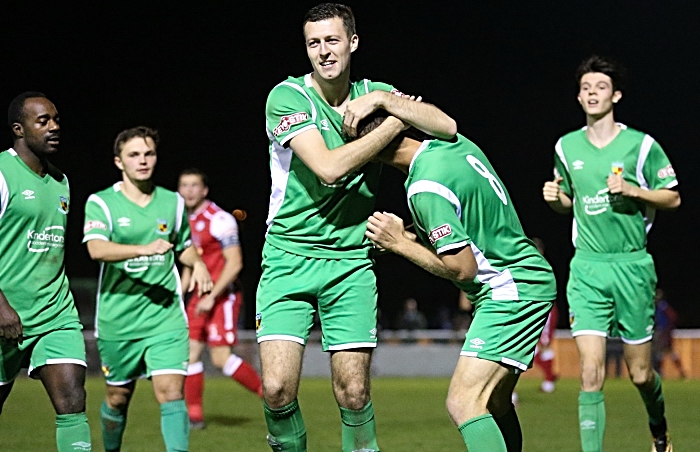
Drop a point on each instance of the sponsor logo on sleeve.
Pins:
(666, 172)
(288, 121)
(439, 233)
(93, 224)
(397, 92)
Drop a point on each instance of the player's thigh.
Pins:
(347, 304)
(14, 358)
(197, 323)
(286, 291)
(634, 288)
(167, 353)
(281, 370)
(472, 385)
(506, 331)
(63, 346)
(591, 309)
(122, 360)
(638, 359)
(350, 374)
(222, 322)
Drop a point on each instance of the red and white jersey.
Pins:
(213, 229)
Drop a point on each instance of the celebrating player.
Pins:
(613, 178)
(39, 324)
(471, 235)
(136, 230)
(315, 251)
(213, 318)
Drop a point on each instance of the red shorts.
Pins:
(220, 326)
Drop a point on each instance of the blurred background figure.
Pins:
(544, 353)
(410, 318)
(662, 342)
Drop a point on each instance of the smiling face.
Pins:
(597, 95)
(39, 127)
(329, 47)
(137, 159)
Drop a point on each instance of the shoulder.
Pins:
(289, 88)
(106, 193)
(366, 85)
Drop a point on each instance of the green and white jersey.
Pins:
(33, 218)
(457, 200)
(307, 217)
(142, 296)
(605, 223)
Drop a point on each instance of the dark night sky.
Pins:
(200, 73)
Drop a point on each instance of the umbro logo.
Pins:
(28, 194)
(587, 425)
(476, 343)
(124, 222)
(373, 333)
(578, 164)
(81, 445)
(324, 124)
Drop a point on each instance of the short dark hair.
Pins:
(604, 65)
(15, 112)
(325, 11)
(140, 131)
(195, 172)
(374, 120)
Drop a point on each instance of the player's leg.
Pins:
(5, 388)
(591, 404)
(502, 409)
(236, 368)
(113, 413)
(12, 360)
(166, 357)
(194, 385)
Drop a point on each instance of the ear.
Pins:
(617, 95)
(118, 163)
(17, 130)
(354, 42)
(578, 98)
(206, 191)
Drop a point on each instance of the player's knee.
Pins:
(219, 361)
(276, 393)
(641, 376)
(70, 401)
(352, 393)
(592, 376)
(117, 399)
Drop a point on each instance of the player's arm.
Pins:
(10, 323)
(423, 116)
(557, 200)
(331, 166)
(663, 199)
(387, 231)
(200, 275)
(232, 267)
(107, 251)
(186, 276)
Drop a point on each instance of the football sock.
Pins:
(653, 400)
(358, 429)
(194, 389)
(72, 433)
(545, 361)
(113, 423)
(481, 434)
(243, 373)
(175, 426)
(591, 417)
(287, 432)
(509, 426)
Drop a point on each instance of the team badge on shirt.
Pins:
(288, 121)
(64, 205)
(258, 321)
(162, 227)
(617, 168)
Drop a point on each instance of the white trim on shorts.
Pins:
(3, 383)
(51, 361)
(352, 345)
(169, 372)
(504, 360)
(281, 337)
(119, 383)
(589, 333)
(636, 341)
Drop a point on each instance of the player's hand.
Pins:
(551, 190)
(618, 185)
(201, 279)
(204, 305)
(358, 109)
(158, 246)
(385, 230)
(10, 323)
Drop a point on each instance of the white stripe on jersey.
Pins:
(502, 284)
(430, 186)
(560, 153)
(4, 195)
(97, 200)
(180, 212)
(643, 154)
(280, 161)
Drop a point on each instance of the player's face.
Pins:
(329, 47)
(137, 159)
(596, 94)
(191, 187)
(40, 128)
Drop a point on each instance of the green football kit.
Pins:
(457, 200)
(141, 326)
(612, 277)
(33, 219)
(315, 248)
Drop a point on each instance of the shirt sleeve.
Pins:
(657, 169)
(436, 219)
(380, 86)
(98, 220)
(183, 237)
(223, 227)
(289, 112)
(561, 169)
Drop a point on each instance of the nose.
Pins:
(323, 48)
(53, 126)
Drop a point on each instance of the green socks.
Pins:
(481, 434)
(287, 432)
(653, 401)
(591, 417)
(509, 426)
(72, 433)
(358, 430)
(175, 426)
(113, 423)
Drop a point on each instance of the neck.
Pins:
(139, 192)
(36, 163)
(335, 91)
(198, 208)
(403, 156)
(601, 129)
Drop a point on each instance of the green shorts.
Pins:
(612, 294)
(506, 331)
(125, 361)
(63, 346)
(345, 291)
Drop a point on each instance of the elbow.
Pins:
(330, 176)
(464, 276)
(675, 202)
(448, 131)
(451, 128)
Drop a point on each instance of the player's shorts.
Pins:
(62, 346)
(506, 331)
(128, 360)
(345, 290)
(612, 294)
(220, 326)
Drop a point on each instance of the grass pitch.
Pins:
(411, 416)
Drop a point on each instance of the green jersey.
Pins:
(604, 222)
(33, 217)
(307, 217)
(142, 296)
(457, 200)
